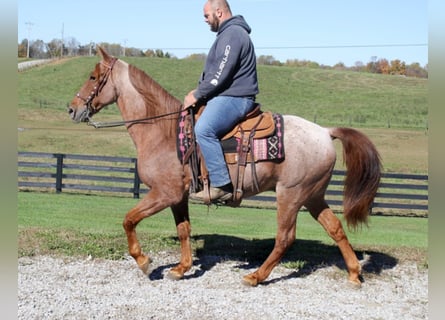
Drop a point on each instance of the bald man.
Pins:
(228, 86)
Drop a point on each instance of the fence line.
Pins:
(406, 193)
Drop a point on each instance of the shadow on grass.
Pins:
(309, 254)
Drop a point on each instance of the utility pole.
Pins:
(29, 24)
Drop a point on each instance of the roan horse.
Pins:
(150, 115)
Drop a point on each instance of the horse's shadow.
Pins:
(306, 255)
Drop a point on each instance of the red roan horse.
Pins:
(151, 114)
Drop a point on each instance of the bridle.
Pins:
(90, 110)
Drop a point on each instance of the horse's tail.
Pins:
(363, 172)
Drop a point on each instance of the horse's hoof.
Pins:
(174, 275)
(354, 284)
(250, 281)
(145, 265)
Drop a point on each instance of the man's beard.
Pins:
(215, 25)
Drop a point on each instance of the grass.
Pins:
(328, 97)
(370, 102)
(79, 225)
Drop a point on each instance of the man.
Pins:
(228, 87)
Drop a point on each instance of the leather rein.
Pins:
(99, 125)
(96, 90)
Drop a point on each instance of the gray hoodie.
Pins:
(230, 68)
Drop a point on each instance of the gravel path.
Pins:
(32, 63)
(56, 288)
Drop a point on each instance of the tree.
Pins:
(415, 70)
(267, 60)
(134, 52)
(383, 66)
(359, 66)
(22, 49)
(72, 47)
(302, 63)
(340, 66)
(86, 50)
(54, 48)
(398, 67)
(37, 49)
(197, 57)
(150, 53)
(372, 65)
(159, 53)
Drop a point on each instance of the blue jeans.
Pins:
(220, 115)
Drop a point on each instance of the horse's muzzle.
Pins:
(79, 114)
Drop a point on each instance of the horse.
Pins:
(150, 115)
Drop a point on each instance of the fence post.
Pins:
(137, 181)
(59, 172)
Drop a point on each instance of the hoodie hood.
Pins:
(237, 20)
(230, 68)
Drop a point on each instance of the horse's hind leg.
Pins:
(323, 214)
(286, 228)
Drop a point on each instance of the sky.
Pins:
(324, 31)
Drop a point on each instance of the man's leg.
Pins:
(219, 116)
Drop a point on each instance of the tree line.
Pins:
(57, 48)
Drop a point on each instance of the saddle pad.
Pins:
(270, 148)
(183, 139)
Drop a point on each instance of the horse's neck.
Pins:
(134, 106)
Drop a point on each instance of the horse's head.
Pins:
(96, 93)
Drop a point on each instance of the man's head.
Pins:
(215, 12)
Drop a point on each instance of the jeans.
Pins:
(220, 115)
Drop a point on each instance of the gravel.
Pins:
(66, 288)
(32, 63)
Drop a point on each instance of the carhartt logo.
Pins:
(221, 66)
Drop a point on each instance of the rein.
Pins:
(99, 125)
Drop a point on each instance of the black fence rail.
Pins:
(398, 193)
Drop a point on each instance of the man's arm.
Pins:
(219, 75)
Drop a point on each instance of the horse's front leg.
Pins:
(183, 227)
(152, 203)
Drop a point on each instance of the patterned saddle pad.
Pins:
(263, 149)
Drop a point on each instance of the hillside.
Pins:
(392, 110)
(327, 97)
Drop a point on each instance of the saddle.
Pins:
(256, 125)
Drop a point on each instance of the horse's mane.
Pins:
(157, 100)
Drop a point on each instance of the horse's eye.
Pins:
(92, 78)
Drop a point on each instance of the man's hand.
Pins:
(189, 100)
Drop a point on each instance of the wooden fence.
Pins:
(405, 194)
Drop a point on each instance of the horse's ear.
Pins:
(103, 53)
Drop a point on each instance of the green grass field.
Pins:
(391, 110)
(79, 225)
(328, 97)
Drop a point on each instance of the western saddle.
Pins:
(257, 124)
